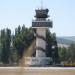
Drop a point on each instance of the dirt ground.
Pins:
(36, 71)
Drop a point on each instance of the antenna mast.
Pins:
(41, 4)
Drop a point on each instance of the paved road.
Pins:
(36, 71)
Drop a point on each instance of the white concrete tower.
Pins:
(40, 25)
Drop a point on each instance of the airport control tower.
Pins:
(40, 25)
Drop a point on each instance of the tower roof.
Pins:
(42, 13)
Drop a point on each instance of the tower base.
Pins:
(37, 61)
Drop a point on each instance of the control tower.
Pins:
(40, 25)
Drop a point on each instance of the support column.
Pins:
(41, 42)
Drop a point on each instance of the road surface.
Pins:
(36, 71)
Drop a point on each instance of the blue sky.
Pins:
(19, 12)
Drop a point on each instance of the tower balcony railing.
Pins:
(42, 23)
(41, 19)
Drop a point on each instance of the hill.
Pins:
(72, 38)
(66, 40)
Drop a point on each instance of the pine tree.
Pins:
(5, 45)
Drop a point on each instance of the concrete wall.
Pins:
(40, 43)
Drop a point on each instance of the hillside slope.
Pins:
(66, 40)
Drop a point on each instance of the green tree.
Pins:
(22, 39)
(52, 49)
(5, 45)
(72, 53)
(0, 48)
(55, 54)
(67, 54)
(63, 54)
(49, 44)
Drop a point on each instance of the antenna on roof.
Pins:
(41, 4)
